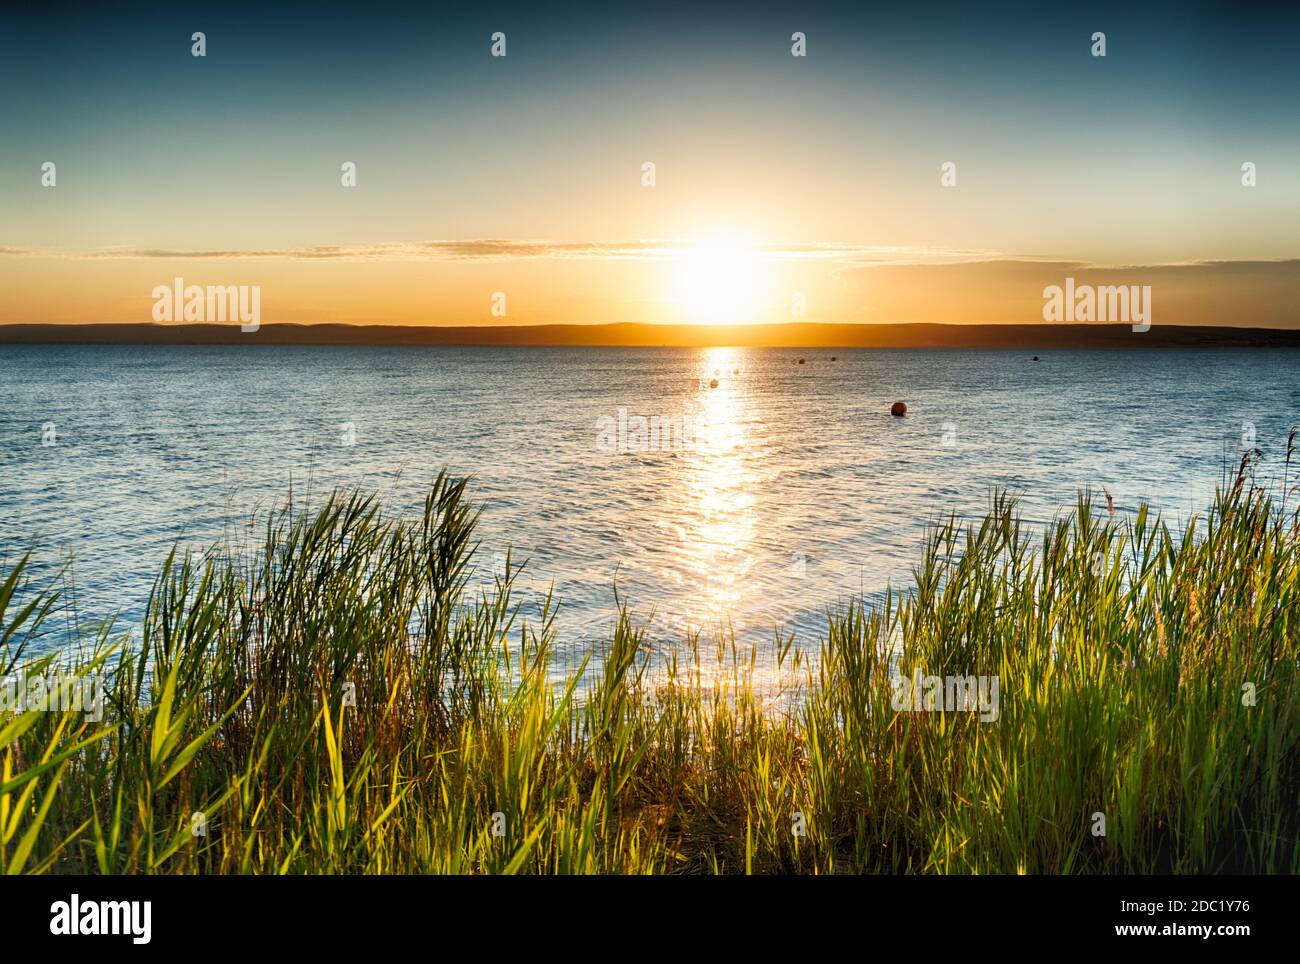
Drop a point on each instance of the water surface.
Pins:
(790, 490)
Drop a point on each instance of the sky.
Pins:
(785, 188)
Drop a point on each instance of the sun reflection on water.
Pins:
(717, 488)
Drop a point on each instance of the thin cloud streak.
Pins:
(849, 258)
(507, 250)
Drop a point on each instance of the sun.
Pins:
(719, 281)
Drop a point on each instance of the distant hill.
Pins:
(805, 335)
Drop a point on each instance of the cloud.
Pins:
(491, 249)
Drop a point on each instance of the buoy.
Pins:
(898, 408)
(1035, 358)
(714, 383)
(833, 358)
(735, 371)
(800, 361)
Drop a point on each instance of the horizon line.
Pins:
(802, 334)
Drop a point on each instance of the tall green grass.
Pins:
(340, 701)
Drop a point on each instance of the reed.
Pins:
(338, 699)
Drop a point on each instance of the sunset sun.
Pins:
(718, 281)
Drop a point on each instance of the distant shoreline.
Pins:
(1036, 337)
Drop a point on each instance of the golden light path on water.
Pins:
(718, 482)
(713, 510)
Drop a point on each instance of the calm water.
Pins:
(794, 490)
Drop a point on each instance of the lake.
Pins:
(780, 491)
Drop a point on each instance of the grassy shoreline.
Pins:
(279, 703)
